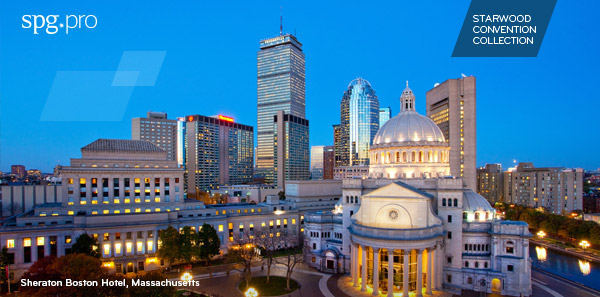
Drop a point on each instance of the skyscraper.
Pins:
(451, 105)
(328, 162)
(159, 130)
(218, 152)
(292, 158)
(316, 161)
(280, 86)
(359, 122)
(490, 182)
(385, 113)
(337, 146)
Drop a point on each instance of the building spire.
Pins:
(280, 20)
(407, 100)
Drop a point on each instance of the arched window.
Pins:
(465, 215)
(397, 157)
(376, 158)
(470, 247)
(444, 202)
(485, 265)
(351, 199)
(347, 199)
(466, 247)
(387, 159)
(476, 215)
(356, 199)
(413, 157)
(487, 215)
(476, 264)
(469, 280)
(455, 202)
(487, 247)
(404, 156)
(420, 156)
(510, 249)
(430, 157)
(467, 264)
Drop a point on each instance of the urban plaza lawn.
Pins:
(275, 287)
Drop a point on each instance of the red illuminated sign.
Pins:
(190, 119)
(224, 118)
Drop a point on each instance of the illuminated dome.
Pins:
(409, 145)
(476, 208)
(408, 126)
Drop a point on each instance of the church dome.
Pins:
(473, 202)
(408, 126)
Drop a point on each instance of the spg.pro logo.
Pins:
(49, 24)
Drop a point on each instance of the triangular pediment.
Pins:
(398, 190)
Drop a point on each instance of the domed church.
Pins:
(411, 228)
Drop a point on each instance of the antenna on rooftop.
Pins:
(280, 20)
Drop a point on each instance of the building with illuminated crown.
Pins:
(219, 152)
(411, 228)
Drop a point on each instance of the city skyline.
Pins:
(25, 91)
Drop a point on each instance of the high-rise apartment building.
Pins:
(292, 158)
(181, 141)
(18, 170)
(359, 122)
(337, 145)
(328, 162)
(280, 86)
(385, 113)
(316, 161)
(157, 129)
(490, 182)
(452, 106)
(219, 152)
(556, 189)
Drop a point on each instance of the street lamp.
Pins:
(584, 244)
(186, 277)
(541, 234)
(251, 292)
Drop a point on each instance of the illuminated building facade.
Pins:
(292, 158)
(218, 152)
(337, 145)
(409, 228)
(280, 86)
(156, 128)
(556, 189)
(490, 182)
(18, 170)
(328, 162)
(452, 106)
(359, 112)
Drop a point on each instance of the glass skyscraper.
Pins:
(359, 122)
(280, 74)
(292, 157)
(385, 113)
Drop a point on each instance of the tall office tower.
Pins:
(156, 128)
(556, 189)
(359, 122)
(316, 162)
(337, 145)
(292, 158)
(490, 182)
(219, 152)
(328, 162)
(18, 170)
(385, 113)
(181, 141)
(280, 86)
(451, 105)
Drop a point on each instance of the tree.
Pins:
(269, 244)
(77, 267)
(169, 249)
(281, 195)
(291, 256)
(244, 251)
(208, 243)
(87, 245)
(151, 291)
(187, 240)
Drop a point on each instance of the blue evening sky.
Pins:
(541, 110)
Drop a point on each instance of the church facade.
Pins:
(411, 228)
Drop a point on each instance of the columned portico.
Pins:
(419, 292)
(429, 271)
(390, 284)
(363, 282)
(375, 272)
(405, 272)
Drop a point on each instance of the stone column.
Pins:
(438, 266)
(363, 282)
(429, 271)
(390, 273)
(354, 264)
(419, 292)
(405, 270)
(375, 271)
